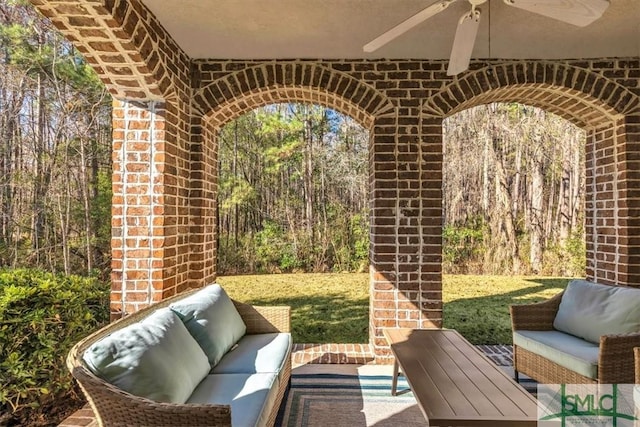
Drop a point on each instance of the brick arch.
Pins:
(245, 90)
(239, 92)
(586, 98)
(608, 112)
(125, 44)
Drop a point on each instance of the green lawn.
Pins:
(478, 306)
(334, 308)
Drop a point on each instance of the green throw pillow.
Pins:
(156, 358)
(212, 319)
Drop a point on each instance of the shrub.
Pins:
(576, 249)
(276, 251)
(463, 245)
(41, 316)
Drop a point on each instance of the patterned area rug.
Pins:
(355, 396)
(347, 395)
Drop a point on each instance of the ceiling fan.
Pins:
(577, 12)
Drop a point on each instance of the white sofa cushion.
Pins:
(212, 319)
(589, 310)
(566, 350)
(261, 353)
(155, 358)
(251, 396)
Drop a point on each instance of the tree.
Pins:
(297, 174)
(521, 171)
(55, 123)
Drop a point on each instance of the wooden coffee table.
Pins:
(455, 384)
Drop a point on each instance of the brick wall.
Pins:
(165, 152)
(402, 103)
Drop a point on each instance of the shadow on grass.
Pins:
(333, 318)
(486, 320)
(325, 319)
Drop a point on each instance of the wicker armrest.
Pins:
(616, 364)
(116, 407)
(535, 317)
(265, 319)
(636, 352)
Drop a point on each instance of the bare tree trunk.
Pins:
(308, 172)
(12, 100)
(564, 197)
(536, 225)
(37, 224)
(516, 180)
(485, 177)
(234, 172)
(96, 255)
(504, 215)
(88, 226)
(63, 214)
(550, 209)
(577, 184)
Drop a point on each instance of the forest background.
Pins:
(294, 179)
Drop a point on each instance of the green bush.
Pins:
(41, 316)
(463, 245)
(275, 250)
(577, 249)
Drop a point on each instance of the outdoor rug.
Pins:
(355, 396)
(347, 395)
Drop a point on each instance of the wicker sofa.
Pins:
(585, 334)
(196, 359)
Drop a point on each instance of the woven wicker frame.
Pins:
(616, 363)
(115, 407)
(636, 352)
(545, 371)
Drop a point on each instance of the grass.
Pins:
(326, 308)
(334, 308)
(478, 306)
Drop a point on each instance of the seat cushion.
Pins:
(589, 310)
(571, 352)
(251, 396)
(260, 353)
(156, 358)
(212, 319)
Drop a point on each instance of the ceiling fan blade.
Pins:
(406, 25)
(463, 43)
(577, 12)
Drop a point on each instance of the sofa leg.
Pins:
(516, 376)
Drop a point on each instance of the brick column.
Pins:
(612, 214)
(628, 157)
(138, 213)
(204, 203)
(431, 222)
(406, 226)
(601, 207)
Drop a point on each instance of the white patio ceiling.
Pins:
(337, 29)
